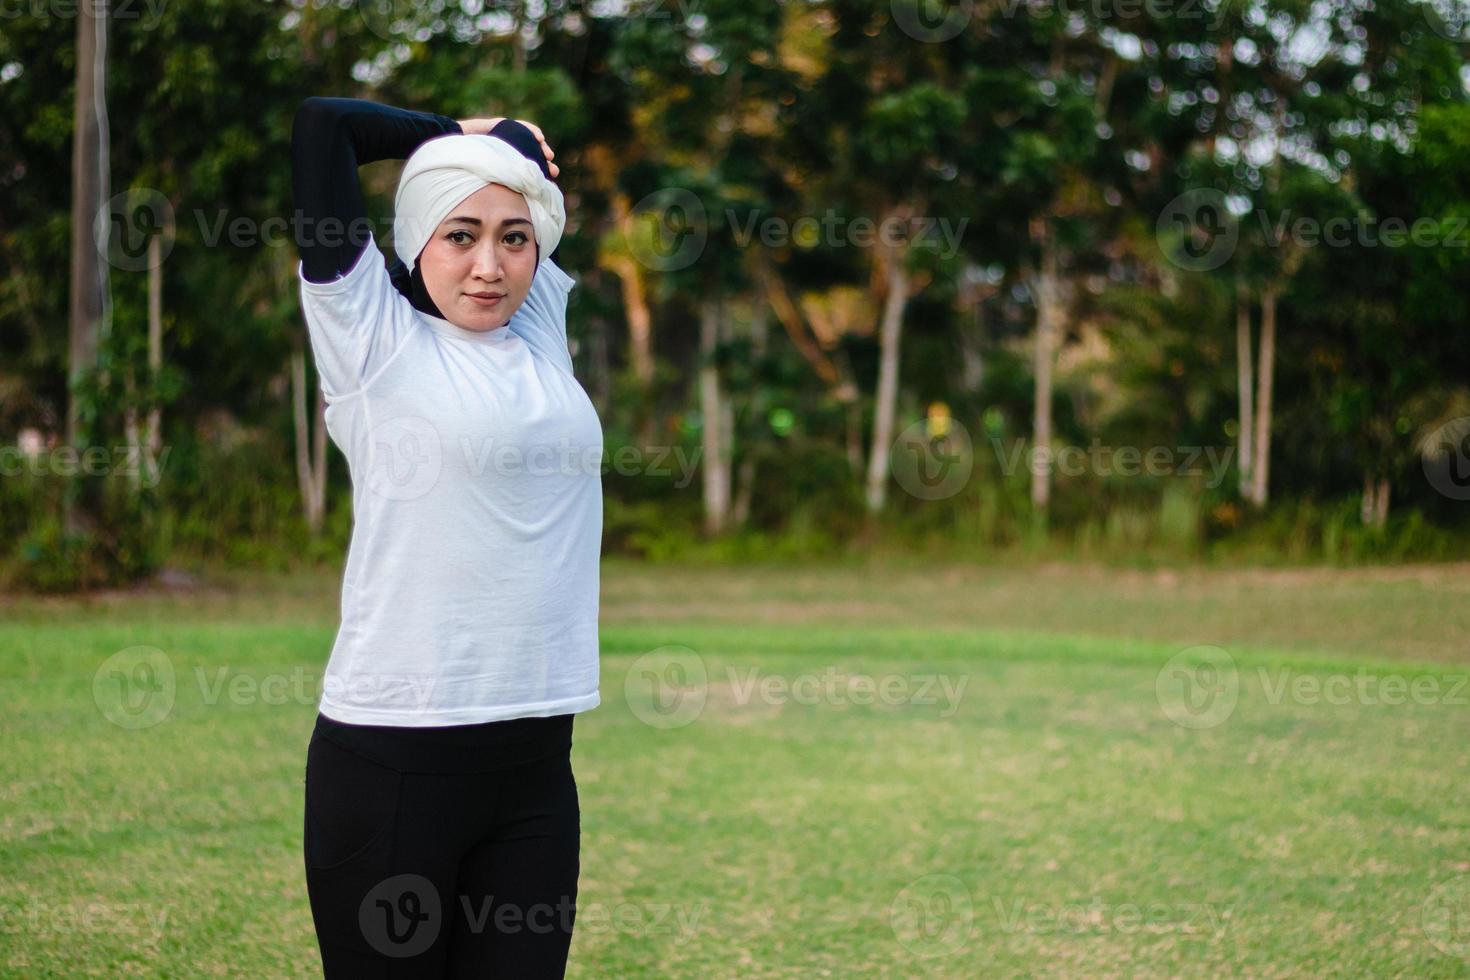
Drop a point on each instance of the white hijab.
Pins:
(445, 170)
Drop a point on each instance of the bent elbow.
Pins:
(314, 114)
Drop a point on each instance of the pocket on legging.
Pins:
(351, 804)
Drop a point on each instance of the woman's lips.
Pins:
(486, 299)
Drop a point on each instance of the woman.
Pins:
(442, 823)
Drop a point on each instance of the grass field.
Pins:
(1060, 771)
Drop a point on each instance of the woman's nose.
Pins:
(487, 265)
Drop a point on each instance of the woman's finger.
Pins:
(533, 128)
(546, 149)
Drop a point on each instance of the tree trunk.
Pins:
(745, 472)
(1375, 500)
(972, 346)
(776, 295)
(625, 265)
(1048, 318)
(154, 437)
(854, 442)
(640, 321)
(1243, 384)
(1261, 467)
(145, 442)
(640, 338)
(132, 435)
(886, 400)
(311, 464)
(88, 287)
(635, 300)
(837, 378)
(716, 468)
(744, 490)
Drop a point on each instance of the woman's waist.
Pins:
(481, 747)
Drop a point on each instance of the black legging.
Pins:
(449, 851)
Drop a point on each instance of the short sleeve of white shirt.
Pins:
(358, 321)
(541, 319)
(355, 323)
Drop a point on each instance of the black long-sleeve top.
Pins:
(330, 138)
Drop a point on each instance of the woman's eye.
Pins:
(457, 241)
(517, 238)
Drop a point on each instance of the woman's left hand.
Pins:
(482, 127)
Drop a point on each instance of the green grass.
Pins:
(1053, 820)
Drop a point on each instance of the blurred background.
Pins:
(1037, 476)
(1113, 278)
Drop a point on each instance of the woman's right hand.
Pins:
(482, 127)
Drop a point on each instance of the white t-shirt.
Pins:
(471, 587)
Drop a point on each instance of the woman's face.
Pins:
(478, 265)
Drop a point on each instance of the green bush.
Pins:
(116, 545)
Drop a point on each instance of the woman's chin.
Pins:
(480, 320)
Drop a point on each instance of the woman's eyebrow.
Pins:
(477, 222)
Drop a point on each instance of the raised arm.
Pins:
(359, 308)
(330, 139)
